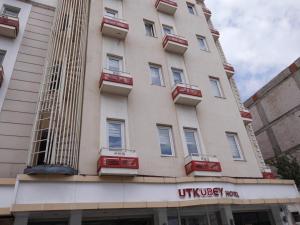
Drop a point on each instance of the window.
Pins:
(202, 43)
(234, 145)
(115, 63)
(156, 75)
(116, 140)
(166, 141)
(2, 56)
(216, 87)
(168, 29)
(111, 12)
(191, 139)
(191, 8)
(9, 10)
(178, 76)
(149, 27)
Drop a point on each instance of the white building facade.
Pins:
(137, 121)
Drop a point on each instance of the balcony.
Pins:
(207, 12)
(166, 6)
(118, 162)
(175, 44)
(267, 173)
(186, 94)
(202, 165)
(229, 69)
(9, 26)
(246, 116)
(214, 33)
(115, 82)
(1, 75)
(114, 27)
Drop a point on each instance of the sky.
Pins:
(259, 37)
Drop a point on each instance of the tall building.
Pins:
(276, 110)
(137, 120)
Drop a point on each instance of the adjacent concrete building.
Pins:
(125, 114)
(275, 109)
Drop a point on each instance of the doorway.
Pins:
(252, 218)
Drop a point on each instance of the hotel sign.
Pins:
(206, 193)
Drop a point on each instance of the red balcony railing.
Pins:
(174, 38)
(202, 163)
(115, 77)
(186, 89)
(114, 22)
(215, 33)
(206, 11)
(246, 114)
(268, 175)
(117, 159)
(10, 21)
(228, 67)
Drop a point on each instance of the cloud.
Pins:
(260, 38)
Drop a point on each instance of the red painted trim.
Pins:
(247, 115)
(293, 68)
(229, 68)
(254, 97)
(118, 162)
(115, 78)
(206, 11)
(7, 21)
(169, 2)
(1, 76)
(215, 32)
(202, 166)
(174, 39)
(113, 22)
(268, 175)
(186, 91)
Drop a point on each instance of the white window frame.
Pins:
(152, 65)
(192, 7)
(196, 136)
(148, 22)
(109, 12)
(170, 137)
(237, 142)
(10, 8)
(200, 37)
(115, 57)
(123, 142)
(217, 80)
(182, 75)
(172, 31)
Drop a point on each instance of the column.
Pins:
(21, 219)
(227, 216)
(279, 216)
(161, 216)
(75, 218)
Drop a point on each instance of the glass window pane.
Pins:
(177, 75)
(113, 64)
(233, 146)
(191, 141)
(149, 29)
(168, 30)
(155, 75)
(215, 87)
(165, 142)
(191, 9)
(115, 135)
(202, 43)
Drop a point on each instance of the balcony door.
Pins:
(115, 63)
(178, 76)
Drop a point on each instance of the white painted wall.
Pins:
(12, 45)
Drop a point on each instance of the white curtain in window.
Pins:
(115, 135)
(155, 75)
(215, 87)
(165, 142)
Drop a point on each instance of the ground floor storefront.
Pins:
(92, 200)
(196, 215)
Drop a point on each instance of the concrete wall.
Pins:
(19, 105)
(149, 105)
(276, 113)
